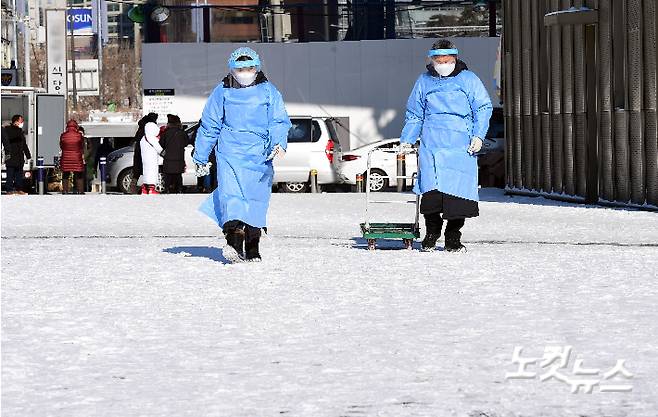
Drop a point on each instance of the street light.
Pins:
(160, 14)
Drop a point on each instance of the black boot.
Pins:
(234, 233)
(252, 239)
(453, 236)
(433, 224)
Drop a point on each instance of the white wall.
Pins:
(367, 81)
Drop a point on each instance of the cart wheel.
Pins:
(408, 243)
(372, 244)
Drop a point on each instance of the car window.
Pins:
(302, 131)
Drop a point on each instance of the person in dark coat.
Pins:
(137, 154)
(72, 161)
(105, 147)
(15, 148)
(173, 141)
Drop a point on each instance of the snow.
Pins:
(124, 306)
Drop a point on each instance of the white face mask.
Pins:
(20, 125)
(245, 78)
(444, 69)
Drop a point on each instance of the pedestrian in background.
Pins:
(87, 156)
(150, 151)
(16, 154)
(105, 147)
(137, 153)
(173, 141)
(71, 160)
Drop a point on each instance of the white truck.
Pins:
(44, 116)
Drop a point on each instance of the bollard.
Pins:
(41, 175)
(103, 161)
(314, 181)
(402, 169)
(359, 183)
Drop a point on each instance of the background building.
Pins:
(547, 106)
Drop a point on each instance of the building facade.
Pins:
(580, 100)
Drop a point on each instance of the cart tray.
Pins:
(390, 231)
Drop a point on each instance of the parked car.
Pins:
(383, 164)
(311, 145)
(312, 142)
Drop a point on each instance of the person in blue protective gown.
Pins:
(449, 111)
(246, 123)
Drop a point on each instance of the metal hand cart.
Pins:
(405, 231)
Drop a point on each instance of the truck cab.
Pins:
(44, 116)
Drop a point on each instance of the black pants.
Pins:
(173, 183)
(78, 180)
(237, 224)
(451, 206)
(14, 179)
(434, 223)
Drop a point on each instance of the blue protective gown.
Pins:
(445, 112)
(245, 124)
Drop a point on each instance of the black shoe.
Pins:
(454, 244)
(234, 251)
(429, 243)
(252, 240)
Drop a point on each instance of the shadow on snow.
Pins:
(207, 252)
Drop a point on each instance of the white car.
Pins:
(383, 169)
(312, 142)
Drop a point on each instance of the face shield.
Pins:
(443, 60)
(244, 64)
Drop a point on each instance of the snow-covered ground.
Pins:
(124, 306)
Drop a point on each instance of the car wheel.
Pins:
(378, 180)
(124, 179)
(294, 187)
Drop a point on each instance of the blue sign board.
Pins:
(81, 21)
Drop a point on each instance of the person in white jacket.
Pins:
(151, 150)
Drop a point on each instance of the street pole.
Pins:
(325, 20)
(492, 19)
(277, 18)
(14, 56)
(73, 80)
(99, 37)
(26, 49)
(138, 45)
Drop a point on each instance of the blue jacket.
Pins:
(445, 112)
(244, 124)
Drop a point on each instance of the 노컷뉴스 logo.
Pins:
(555, 363)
